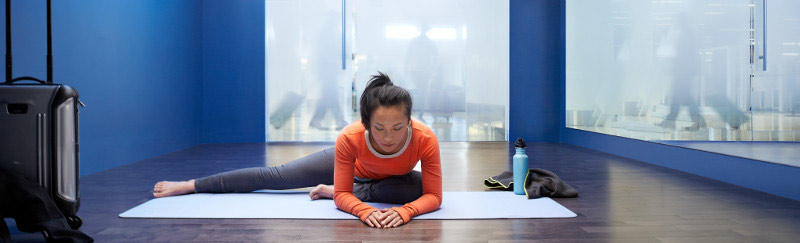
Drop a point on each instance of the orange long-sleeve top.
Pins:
(355, 157)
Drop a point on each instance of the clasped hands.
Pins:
(384, 218)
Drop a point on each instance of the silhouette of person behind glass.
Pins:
(421, 63)
(327, 67)
(685, 70)
(324, 62)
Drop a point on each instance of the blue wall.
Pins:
(136, 63)
(536, 69)
(233, 71)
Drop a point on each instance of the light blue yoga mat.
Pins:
(297, 205)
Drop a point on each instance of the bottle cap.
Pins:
(520, 143)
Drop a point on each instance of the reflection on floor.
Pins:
(787, 153)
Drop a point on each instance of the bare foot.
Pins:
(321, 191)
(173, 188)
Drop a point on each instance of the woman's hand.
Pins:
(384, 218)
(390, 218)
(373, 220)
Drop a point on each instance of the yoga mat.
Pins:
(297, 205)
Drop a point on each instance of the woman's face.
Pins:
(389, 128)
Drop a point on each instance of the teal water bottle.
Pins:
(520, 167)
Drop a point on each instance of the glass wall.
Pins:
(683, 70)
(690, 70)
(451, 55)
(776, 76)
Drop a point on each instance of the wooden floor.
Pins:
(621, 200)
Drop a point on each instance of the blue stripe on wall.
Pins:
(536, 69)
(233, 71)
(136, 64)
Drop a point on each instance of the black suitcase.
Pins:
(39, 131)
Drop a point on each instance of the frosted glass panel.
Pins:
(659, 70)
(776, 88)
(305, 81)
(451, 55)
(688, 73)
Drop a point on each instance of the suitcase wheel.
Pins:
(74, 222)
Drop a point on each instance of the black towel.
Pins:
(538, 183)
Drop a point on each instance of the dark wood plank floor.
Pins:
(621, 200)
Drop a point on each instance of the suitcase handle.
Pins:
(26, 78)
(49, 79)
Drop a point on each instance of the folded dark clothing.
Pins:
(538, 183)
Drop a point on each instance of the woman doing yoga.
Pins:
(371, 162)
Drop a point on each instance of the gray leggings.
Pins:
(309, 171)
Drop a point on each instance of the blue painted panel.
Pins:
(233, 71)
(536, 69)
(137, 65)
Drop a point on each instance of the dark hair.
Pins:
(380, 91)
